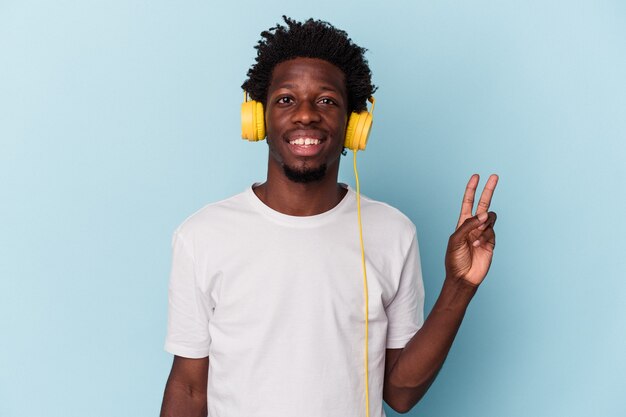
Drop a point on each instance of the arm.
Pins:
(186, 389)
(410, 371)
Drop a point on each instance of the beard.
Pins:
(305, 175)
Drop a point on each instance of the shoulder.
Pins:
(387, 211)
(384, 217)
(214, 214)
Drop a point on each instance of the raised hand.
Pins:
(470, 248)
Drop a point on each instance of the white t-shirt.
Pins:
(276, 303)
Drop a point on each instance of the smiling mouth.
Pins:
(305, 146)
(304, 141)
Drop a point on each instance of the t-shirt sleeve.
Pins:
(188, 315)
(405, 313)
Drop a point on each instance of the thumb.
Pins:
(467, 226)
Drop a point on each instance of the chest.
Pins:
(309, 277)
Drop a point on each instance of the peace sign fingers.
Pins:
(467, 206)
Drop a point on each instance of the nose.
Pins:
(306, 113)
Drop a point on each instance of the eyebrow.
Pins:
(324, 87)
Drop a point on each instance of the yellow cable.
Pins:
(365, 292)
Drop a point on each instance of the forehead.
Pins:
(308, 72)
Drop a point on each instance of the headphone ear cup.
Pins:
(358, 130)
(350, 131)
(252, 121)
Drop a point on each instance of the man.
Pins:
(266, 298)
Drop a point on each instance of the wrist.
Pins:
(460, 281)
(456, 293)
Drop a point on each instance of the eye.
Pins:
(327, 100)
(284, 100)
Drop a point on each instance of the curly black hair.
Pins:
(311, 39)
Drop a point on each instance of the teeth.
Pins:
(304, 141)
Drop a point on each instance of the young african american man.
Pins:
(265, 304)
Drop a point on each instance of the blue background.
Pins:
(120, 118)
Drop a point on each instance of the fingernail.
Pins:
(483, 216)
(476, 243)
(482, 226)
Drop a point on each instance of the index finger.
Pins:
(487, 194)
(468, 199)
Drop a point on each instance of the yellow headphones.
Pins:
(253, 124)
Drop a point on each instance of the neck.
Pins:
(300, 199)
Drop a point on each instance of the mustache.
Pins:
(305, 133)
